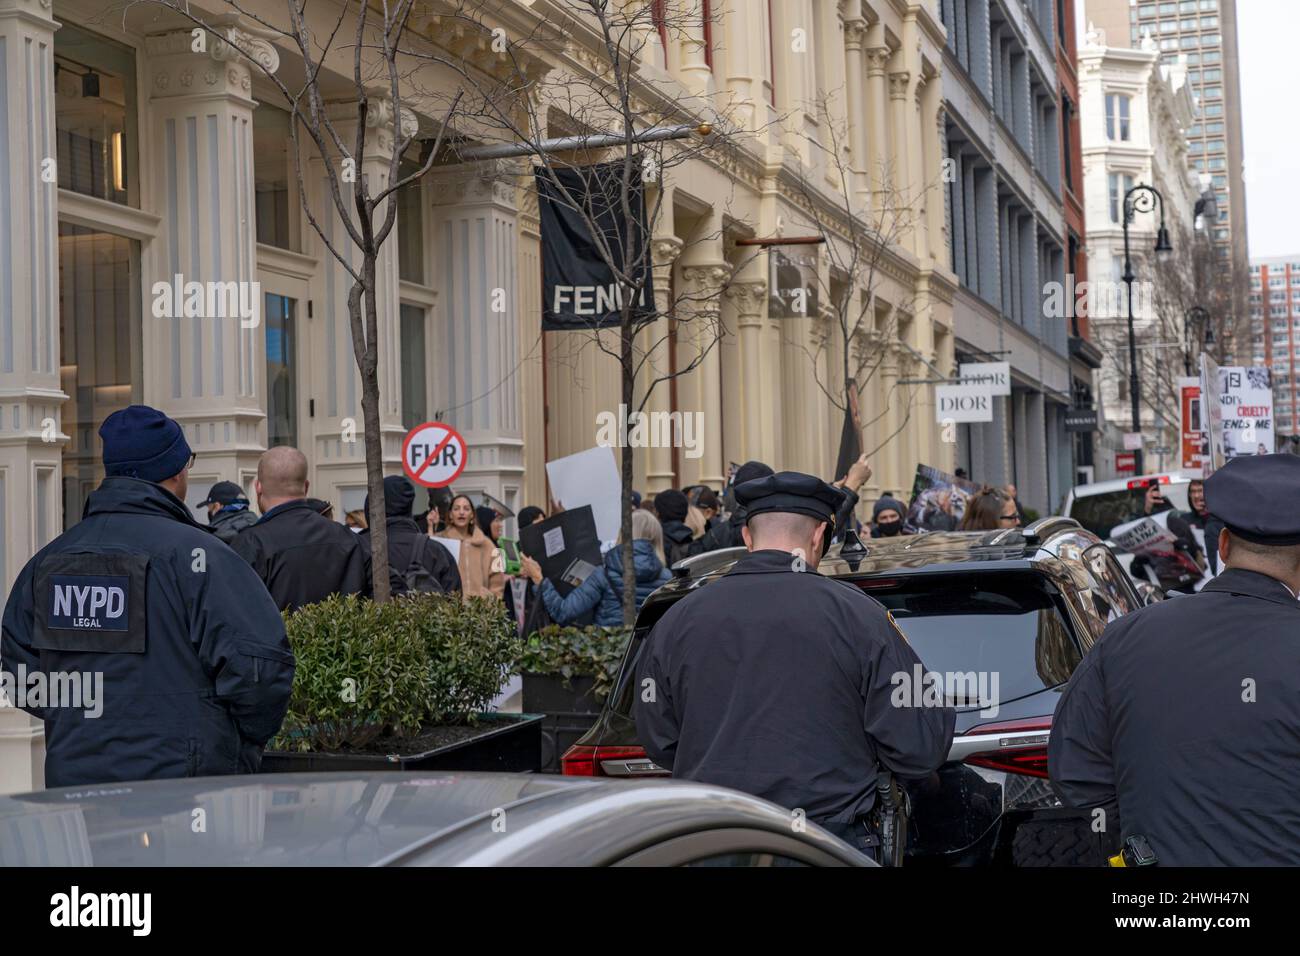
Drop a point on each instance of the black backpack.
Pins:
(417, 578)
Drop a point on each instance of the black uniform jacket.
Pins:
(777, 682)
(404, 536)
(1184, 721)
(196, 668)
(304, 557)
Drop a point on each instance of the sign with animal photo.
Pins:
(1246, 406)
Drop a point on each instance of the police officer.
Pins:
(228, 511)
(776, 681)
(195, 666)
(1181, 724)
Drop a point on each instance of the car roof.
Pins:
(370, 819)
(1124, 484)
(904, 554)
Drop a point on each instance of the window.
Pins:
(1213, 128)
(94, 115)
(274, 181)
(1187, 6)
(1168, 26)
(1117, 117)
(1169, 44)
(1209, 23)
(1012, 625)
(415, 402)
(1217, 162)
(100, 349)
(1187, 24)
(1210, 56)
(281, 372)
(1120, 184)
(1211, 39)
(1213, 109)
(1209, 4)
(1189, 42)
(410, 226)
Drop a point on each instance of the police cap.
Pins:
(791, 492)
(1253, 496)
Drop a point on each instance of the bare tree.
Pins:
(606, 172)
(858, 236)
(374, 36)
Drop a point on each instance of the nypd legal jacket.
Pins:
(196, 669)
(779, 682)
(1182, 724)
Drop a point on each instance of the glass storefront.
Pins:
(274, 178)
(414, 382)
(281, 371)
(99, 346)
(95, 116)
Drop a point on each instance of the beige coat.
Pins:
(481, 569)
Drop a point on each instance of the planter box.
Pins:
(569, 713)
(514, 745)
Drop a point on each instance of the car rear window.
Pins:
(1007, 624)
(1006, 629)
(1100, 513)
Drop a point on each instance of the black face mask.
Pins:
(888, 529)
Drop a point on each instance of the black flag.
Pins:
(850, 437)
(579, 289)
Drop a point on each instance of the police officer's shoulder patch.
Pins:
(894, 624)
(91, 601)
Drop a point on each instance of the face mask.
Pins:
(889, 528)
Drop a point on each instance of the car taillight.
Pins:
(1012, 746)
(585, 761)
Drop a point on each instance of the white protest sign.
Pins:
(590, 478)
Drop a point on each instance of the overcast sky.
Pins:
(1270, 82)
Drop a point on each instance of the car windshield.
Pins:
(1005, 629)
(1100, 513)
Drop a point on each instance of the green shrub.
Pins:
(570, 652)
(470, 646)
(357, 676)
(365, 670)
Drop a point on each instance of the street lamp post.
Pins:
(1140, 198)
(1196, 317)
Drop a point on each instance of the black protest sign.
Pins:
(580, 287)
(565, 545)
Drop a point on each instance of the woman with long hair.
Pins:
(482, 573)
(990, 510)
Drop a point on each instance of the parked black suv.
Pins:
(1019, 607)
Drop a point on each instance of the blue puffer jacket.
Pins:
(603, 589)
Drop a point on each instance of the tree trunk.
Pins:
(629, 568)
(367, 361)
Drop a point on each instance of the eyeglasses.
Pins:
(1008, 517)
(194, 455)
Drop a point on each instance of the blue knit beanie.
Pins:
(142, 442)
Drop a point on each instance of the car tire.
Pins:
(1056, 843)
